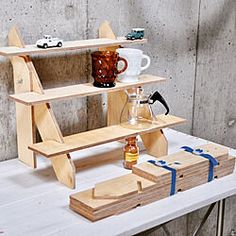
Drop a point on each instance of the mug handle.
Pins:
(125, 65)
(148, 62)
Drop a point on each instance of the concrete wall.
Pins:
(192, 43)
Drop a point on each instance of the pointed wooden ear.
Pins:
(105, 31)
(15, 38)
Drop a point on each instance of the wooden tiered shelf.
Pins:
(99, 136)
(79, 90)
(33, 107)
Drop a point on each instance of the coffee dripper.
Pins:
(137, 112)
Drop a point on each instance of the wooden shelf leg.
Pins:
(155, 143)
(116, 100)
(64, 169)
(26, 79)
(49, 130)
(25, 134)
(24, 115)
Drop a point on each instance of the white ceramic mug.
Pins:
(134, 58)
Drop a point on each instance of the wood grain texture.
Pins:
(123, 193)
(79, 90)
(155, 143)
(67, 46)
(74, 142)
(121, 187)
(24, 115)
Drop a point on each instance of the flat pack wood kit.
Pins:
(148, 183)
(33, 108)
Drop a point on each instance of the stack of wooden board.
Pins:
(148, 183)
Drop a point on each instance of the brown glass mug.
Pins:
(104, 68)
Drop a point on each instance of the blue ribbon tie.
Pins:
(212, 161)
(164, 165)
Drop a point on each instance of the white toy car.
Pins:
(47, 41)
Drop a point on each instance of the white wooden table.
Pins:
(33, 202)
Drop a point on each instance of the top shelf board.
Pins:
(69, 45)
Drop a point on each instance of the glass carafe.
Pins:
(137, 112)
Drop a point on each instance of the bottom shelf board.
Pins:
(95, 137)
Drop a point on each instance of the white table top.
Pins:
(33, 202)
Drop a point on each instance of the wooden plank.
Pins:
(67, 46)
(155, 143)
(99, 136)
(24, 115)
(79, 90)
(115, 104)
(121, 187)
(49, 130)
(105, 31)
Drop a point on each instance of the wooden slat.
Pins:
(79, 90)
(70, 45)
(24, 115)
(155, 143)
(99, 136)
(121, 187)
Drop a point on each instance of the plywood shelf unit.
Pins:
(33, 107)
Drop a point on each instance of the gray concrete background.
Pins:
(192, 43)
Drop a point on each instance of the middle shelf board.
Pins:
(79, 90)
(96, 137)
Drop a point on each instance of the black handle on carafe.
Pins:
(157, 97)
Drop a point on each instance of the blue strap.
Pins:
(212, 161)
(164, 165)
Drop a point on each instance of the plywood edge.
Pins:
(79, 90)
(51, 148)
(94, 209)
(68, 46)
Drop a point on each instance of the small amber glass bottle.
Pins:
(131, 152)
